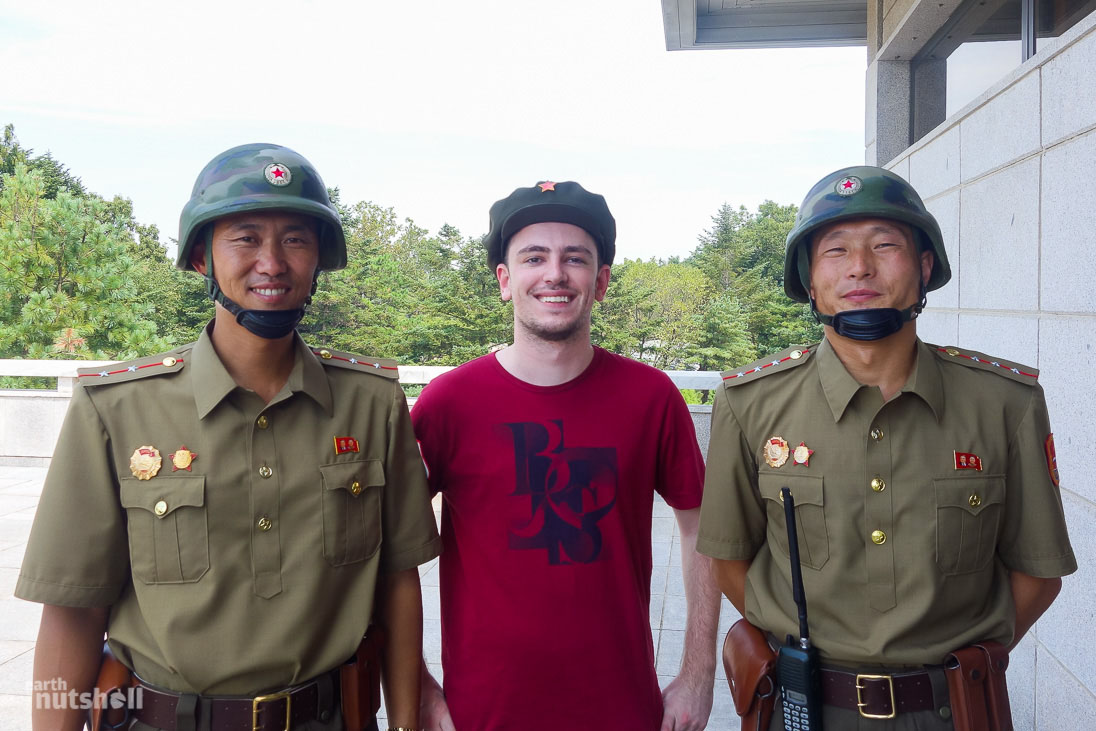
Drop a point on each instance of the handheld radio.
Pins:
(797, 662)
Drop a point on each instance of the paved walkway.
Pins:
(21, 486)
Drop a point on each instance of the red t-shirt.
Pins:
(546, 528)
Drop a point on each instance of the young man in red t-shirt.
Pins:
(548, 454)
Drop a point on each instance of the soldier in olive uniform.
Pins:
(926, 492)
(231, 513)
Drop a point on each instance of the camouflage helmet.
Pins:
(860, 192)
(259, 177)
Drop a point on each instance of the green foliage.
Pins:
(81, 278)
(67, 277)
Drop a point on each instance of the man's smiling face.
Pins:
(553, 276)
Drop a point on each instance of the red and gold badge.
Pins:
(546, 186)
(776, 451)
(802, 455)
(967, 461)
(145, 462)
(1052, 460)
(345, 444)
(182, 459)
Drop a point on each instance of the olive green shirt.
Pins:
(249, 560)
(905, 546)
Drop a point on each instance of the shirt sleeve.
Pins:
(732, 516)
(77, 554)
(426, 432)
(1033, 539)
(408, 526)
(680, 463)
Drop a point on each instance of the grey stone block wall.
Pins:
(1012, 179)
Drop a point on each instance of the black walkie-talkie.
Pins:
(797, 663)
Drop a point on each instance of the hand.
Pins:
(433, 710)
(686, 704)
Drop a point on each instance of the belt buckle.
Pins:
(255, 702)
(860, 696)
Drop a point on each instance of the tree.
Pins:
(67, 277)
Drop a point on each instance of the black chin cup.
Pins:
(870, 324)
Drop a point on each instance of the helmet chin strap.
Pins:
(871, 324)
(269, 324)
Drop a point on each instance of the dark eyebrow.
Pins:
(878, 228)
(251, 226)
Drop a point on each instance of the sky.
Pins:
(435, 109)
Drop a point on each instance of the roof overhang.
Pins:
(701, 24)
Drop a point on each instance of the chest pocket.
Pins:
(352, 510)
(810, 517)
(168, 532)
(968, 519)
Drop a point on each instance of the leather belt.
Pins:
(878, 695)
(280, 711)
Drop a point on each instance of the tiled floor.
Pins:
(19, 490)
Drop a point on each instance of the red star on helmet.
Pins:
(546, 186)
(278, 173)
(847, 184)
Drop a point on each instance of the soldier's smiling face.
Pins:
(866, 263)
(553, 275)
(264, 260)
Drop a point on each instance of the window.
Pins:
(981, 42)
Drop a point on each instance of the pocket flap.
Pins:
(806, 489)
(972, 494)
(353, 477)
(162, 497)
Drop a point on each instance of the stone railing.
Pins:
(30, 419)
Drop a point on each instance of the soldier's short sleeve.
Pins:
(1033, 538)
(77, 554)
(407, 519)
(732, 516)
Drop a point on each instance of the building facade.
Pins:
(988, 107)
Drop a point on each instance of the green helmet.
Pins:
(261, 177)
(860, 192)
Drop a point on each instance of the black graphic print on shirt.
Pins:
(569, 490)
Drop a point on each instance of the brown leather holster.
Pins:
(360, 682)
(976, 684)
(750, 663)
(114, 677)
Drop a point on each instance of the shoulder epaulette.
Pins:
(1000, 366)
(782, 361)
(377, 366)
(152, 365)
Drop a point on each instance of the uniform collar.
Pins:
(839, 387)
(212, 381)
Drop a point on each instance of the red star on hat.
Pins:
(847, 184)
(546, 186)
(278, 173)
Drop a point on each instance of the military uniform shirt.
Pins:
(255, 568)
(905, 545)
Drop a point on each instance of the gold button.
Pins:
(877, 434)
(878, 485)
(325, 354)
(975, 500)
(356, 488)
(796, 354)
(265, 471)
(951, 351)
(261, 422)
(878, 537)
(169, 362)
(160, 508)
(264, 523)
